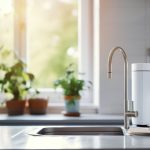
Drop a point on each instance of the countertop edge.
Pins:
(57, 119)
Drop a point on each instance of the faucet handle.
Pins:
(131, 113)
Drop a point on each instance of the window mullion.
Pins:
(96, 52)
(85, 38)
(85, 42)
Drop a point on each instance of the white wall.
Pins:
(124, 23)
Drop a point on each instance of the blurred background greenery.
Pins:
(6, 24)
(51, 38)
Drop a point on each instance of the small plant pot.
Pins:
(72, 106)
(15, 107)
(38, 106)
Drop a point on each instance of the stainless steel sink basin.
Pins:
(78, 130)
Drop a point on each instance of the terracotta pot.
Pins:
(15, 107)
(72, 97)
(38, 106)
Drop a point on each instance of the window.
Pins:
(6, 23)
(51, 39)
(48, 36)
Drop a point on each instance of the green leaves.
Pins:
(17, 81)
(70, 83)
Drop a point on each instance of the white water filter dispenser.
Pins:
(141, 93)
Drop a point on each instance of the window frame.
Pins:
(85, 45)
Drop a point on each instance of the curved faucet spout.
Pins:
(126, 112)
(110, 60)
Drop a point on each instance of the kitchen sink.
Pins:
(78, 130)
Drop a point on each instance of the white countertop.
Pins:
(16, 137)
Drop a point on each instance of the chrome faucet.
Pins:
(126, 112)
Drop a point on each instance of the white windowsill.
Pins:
(58, 108)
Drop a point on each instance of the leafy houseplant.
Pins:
(71, 86)
(16, 83)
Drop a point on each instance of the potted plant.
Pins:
(37, 104)
(71, 86)
(16, 83)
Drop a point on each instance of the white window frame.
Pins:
(96, 54)
(85, 42)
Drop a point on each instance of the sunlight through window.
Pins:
(51, 38)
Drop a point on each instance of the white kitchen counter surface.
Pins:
(16, 137)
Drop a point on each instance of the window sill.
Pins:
(86, 109)
(58, 108)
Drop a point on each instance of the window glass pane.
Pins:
(6, 23)
(51, 38)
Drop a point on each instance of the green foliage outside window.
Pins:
(52, 26)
